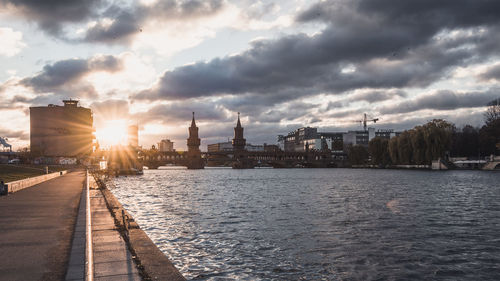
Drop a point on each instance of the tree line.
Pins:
(435, 139)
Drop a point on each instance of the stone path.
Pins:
(36, 227)
(112, 259)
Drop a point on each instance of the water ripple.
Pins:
(320, 224)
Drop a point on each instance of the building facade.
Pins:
(220, 147)
(133, 136)
(228, 147)
(298, 140)
(61, 130)
(294, 141)
(166, 146)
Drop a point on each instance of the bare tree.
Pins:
(493, 112)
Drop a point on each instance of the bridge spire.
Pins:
(238, 124)
(240, 154)
(238, 141)
(194, 160)
(193, 123)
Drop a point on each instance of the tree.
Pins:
(489, 134)
(379, 151)
(337, 145)
(493, 112)
(393, 150)
(465, 142)
(437, 135)
(418, 145)
(357, 154)
(404, 148)
(489, 138)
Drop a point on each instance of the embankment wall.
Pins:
(15, 186)
(155, 265)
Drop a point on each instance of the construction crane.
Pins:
(3, 142)
(367, 119)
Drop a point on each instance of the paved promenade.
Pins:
(36, 227)
(112, 259)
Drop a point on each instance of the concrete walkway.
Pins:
(112, 259)
(36, 227)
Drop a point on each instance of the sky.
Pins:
(282, 64)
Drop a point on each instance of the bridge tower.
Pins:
(238, 141)
(194, 160)
(240, 154)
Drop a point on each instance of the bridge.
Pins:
(277, 159)
(238, 157)
(154, 159)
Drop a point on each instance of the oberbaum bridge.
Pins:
(238, 158)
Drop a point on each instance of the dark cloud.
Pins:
(128, 21)
(369, 96)
(105, 63)
(266, 106)
(443, 100)
(377, 96)
(62, 76)
(361, 47)
(425, 16)
(346, 113)
(124, 25)
(284, 112)
(57, 74)
(336, 104)
(182, 112)
(52, 15)
(492, 73)
(186, 9)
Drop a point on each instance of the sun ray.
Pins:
(113, 132)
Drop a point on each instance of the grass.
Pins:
(11, 172)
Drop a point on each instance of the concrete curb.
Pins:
(77, 265)
(15, 186)
(153, 262)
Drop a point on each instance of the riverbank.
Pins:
(14, 172)
(151, 262)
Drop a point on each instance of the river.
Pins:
(320, 224)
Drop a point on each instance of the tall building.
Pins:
(133, 136)
(194, 160)
(166, 146)
(238, 140)
(61, 130)
(297, 140)
(220, 147)
(228, 147)
(294, 141)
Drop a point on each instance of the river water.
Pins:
(320, 224)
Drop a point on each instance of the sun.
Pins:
(113, 132)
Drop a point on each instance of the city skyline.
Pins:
(282, 64)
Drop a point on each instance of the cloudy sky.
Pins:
(282, 64)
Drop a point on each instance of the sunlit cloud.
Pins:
(134, 74)
(12, 42)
